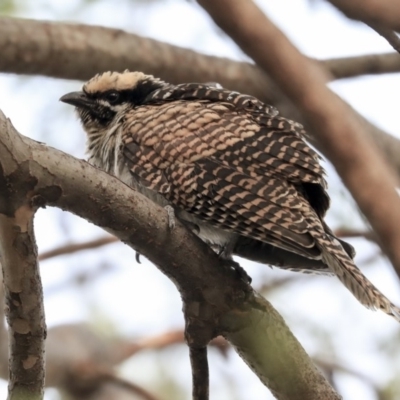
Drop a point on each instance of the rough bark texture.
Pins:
(61, 50)
(23, 287)
(211, 293)
(266, 353)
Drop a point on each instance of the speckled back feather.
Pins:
(226, 162)
(234, 162)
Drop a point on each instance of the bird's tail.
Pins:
(343, 266)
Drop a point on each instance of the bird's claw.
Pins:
(240, 271)
(171, 216)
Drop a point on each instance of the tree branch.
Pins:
(339, 131)
(382, 12)
(265, 352)
(159, 341)
(376, 14)
(74, 247)
(199, 363)
(75, 51)
(366, 234)
(23, 289)
(350, 67)
(90, 378)
(212, 294)
(61, 50)
(390, 35)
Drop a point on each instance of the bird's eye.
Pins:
(112, 97)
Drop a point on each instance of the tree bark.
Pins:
(22, 284)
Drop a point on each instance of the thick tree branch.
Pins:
(23, 289)
(340, 133)
(213, 296)
(61, 50)
(266, 357)
(74, 51)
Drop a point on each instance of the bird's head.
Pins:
(109, 93)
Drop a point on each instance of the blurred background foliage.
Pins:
(106, 289)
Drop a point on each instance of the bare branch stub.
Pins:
(23, 287)
(200, 375)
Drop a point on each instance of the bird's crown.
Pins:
(119, 81)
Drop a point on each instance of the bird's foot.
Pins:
(171, 216)
(137, 257)
(240, 271)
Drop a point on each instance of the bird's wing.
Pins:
(283, 149)
(214, 160)
(244, 171)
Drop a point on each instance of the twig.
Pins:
(345, 232)
(383, 12)
(376, 14)
(350, 67)
(74, 247)
(133, 387)
(200, 380)
(275, 284)
(80, 278)
(390, 35)
(340, 132)
(161, 341)
(334, 366)
(151, 342)
(23, 294)
(89, 376)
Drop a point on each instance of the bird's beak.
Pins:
(77, 99)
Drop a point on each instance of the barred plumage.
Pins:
(226, 162)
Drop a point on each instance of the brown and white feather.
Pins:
(227, 163)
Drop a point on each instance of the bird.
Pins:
(227, 165)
